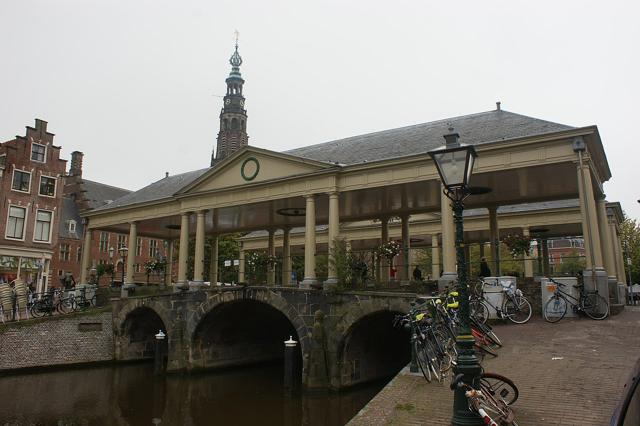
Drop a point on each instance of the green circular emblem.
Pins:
(250, 168)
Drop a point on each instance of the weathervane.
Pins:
(237, 34)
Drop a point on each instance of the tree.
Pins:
(630, 239)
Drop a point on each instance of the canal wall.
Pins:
(57, 340)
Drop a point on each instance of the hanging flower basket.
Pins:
(517, 245)
(390, 249)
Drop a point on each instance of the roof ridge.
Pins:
(105, 184)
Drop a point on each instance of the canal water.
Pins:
(129, 394)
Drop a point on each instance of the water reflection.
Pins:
(131, 395)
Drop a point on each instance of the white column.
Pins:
(86, 254)
(131, 259)
(384, 237)
(310, 242)
(593, 253)
(241, 264)
(183, 252)
(449, 274)
(605, 241)
(213, 265)
(406, 245)
(198, 258)
(435, 257)
(169, 268)
(333, 234)
(271, 251)
(494, 231)
(286, 256)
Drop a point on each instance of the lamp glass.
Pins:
(454, 165)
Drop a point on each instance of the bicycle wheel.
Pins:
(555, 309)
(433, 360)
(38, 309)
(517, 309)
(595, 306)
(421, 359)
(479, 311)
(485, 349)
(444, 348)
(499, 387)
(488, 332)
(65, 305)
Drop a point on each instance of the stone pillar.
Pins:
(621, 273)
(86, 254)
(310, 243)
(605, 241)
(286, 257)
(333, 234)
(198, 258)
(595, 277)
(241, 264)
(406, 246)
(384, 262)
(546, 270)
(449, 274)
(494, 231)
(528, 260)
(271, 252)
(213, 265)
(169, 268)
(131, 259)
(435, 257)
(183, 253)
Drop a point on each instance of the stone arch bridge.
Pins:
(344, 338)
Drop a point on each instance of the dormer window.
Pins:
(72, 226)
(38, 152)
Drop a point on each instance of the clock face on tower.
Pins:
(227, 101)
(241, 103)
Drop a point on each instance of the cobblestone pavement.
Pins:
(569, 373)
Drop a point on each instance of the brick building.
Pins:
(31, 182)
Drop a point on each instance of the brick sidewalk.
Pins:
(582, 387)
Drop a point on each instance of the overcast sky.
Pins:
(135, 85)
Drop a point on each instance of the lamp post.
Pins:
(158, 361)
(123, 254)
(455, 163)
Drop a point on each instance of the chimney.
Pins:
(76, 164)
(451, 139)
(41, 125)
(166, 174)
(498, 106)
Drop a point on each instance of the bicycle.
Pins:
(515, 307)
(493, 410)
(590, 302)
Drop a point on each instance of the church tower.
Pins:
(233, 117)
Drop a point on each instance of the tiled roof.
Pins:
(473, 129)
(99, 194)
(70, 212)
(158, 190)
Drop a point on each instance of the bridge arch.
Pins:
(243, 327)
(135, 327)
(369, 347)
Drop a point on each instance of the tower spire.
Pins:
(233, 117)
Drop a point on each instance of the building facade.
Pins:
(32, 186)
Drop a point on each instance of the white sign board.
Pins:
(236, 262)
(227, 263)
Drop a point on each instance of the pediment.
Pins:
(253, 165)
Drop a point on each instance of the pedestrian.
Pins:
(417, 274)
(485, 271)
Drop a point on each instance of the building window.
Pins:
(21, 181)
(37, 152)
(153, 248)
(43, 226)
(3, 161)
(122, 241)
(138, 246)
(15, 222)
(79, 255)
(65, 252)
(102, 262)
(136, 267)
(104, 242)
(72, 226)
(47, 186)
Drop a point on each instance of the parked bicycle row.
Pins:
(15, 306)
(433, 324)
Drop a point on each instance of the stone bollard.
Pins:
(290, 361)
(159, 364)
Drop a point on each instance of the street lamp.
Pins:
(123, 254)
(454, 162)
(113, 272)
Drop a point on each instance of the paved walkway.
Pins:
(569, 373)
